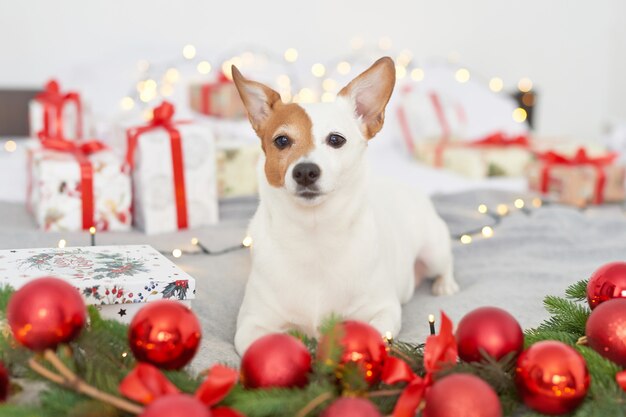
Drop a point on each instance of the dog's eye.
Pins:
(281, 142)
(335, 140)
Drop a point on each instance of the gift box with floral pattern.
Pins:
(119, 280)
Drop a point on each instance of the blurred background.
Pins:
(555, 68)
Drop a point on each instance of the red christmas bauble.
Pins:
(462, 395)
(552, 378)
(488, 329)
(606, 330)
(351, 407)
(361, 344)
(176, 405)
(4, 383)
(608, 282)
(165, 333)
(276, 360)
(46, 312)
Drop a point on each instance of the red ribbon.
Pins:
(552, 159)
(501, 139)
(162, 119)
(440, 351)
(53, 103)
(145, 383)
(81, 151)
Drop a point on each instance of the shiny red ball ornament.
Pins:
(606, 330)
(606, 283)
(491, 330)
(351, 407)
(46, 312)
(361, 344)
(5, 384)
(165, 333)
(461, 395)
(552, 378)
(176, 405)
(276, 360)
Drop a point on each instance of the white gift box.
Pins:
(119, 280)
(155, 207)
(55, 196)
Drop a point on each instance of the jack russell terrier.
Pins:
(328, 237)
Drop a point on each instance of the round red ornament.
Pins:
(46, 312)
(606, 330)
(361, 344)
(552, 378)
(276, 360)
(491, 330)
(176, 405)
(165, 333)
(606, 283)
(461, 395)
(351, 407)
(4, 383)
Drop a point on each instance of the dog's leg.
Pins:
(437, 256)
(388, 318)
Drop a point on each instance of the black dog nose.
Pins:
(306, 173)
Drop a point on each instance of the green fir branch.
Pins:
(577, 291)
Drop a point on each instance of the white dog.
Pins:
(327, 237)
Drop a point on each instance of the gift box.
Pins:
(578, 180)
(75, 185)
(57, 114)
(173, 172)
(238, 151)
(219, 98)
(119, 280)
(494, 155)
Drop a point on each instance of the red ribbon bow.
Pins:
(551, 158)
(53, 102)
(162, 116)
(145, 383)
(81, 151)
(440, 350)
(501, 139)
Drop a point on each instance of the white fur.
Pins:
(350, 251)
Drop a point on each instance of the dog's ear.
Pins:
(370, 92)
(258, 99)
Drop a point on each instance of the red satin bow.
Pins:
(53, 102)
(145, 383)
(162, 116)
(552, 158)
(440, 350)
(501, 139)
(80, 150)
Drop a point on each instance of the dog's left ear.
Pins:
(370, 92)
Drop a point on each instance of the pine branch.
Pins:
(577, 291)
(533, 336)
(567, 316)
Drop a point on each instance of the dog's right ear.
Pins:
(258, 99)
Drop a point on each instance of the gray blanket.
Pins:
(530, 255)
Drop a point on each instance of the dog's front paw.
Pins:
(445, 286)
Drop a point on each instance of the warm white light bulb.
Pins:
(177, 253)
(466, 239)
(487, 231)
(247, 241)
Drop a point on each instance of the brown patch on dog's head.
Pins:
(271, 118)
(370, 92)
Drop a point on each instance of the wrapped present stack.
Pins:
(433, 128)
(173, 171)
(218, 98)
(74, 183)
(579, 178)
(119, 280)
